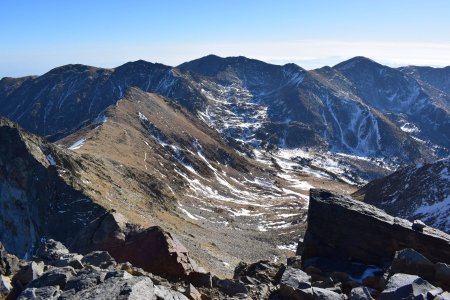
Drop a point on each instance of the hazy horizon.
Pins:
(305, 64)
(45, 35)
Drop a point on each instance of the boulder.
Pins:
(360, 293)
(295, 261)
(405, 286)
(229, 286)
(340, 227)
(86, 279)
(101, 259)
(46, 292)
(155, 251)
(162, 292)
(69, 260)
(116, 287)
(53, 277)
(50, 250)
(192, 293)
(32, 272)
(152, 249)
(411, 262)
(295, 284)
(9, 264)
(5, 286)
(262, 271)
(324, 294)
(200, 279)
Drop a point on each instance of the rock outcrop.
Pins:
(340, 227)
(152, 249)
(98, 278)
(34, 196)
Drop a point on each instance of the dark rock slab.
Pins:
(162, 292)
(152, 249)
(295, 284)
(101, 259)
(340, 227)
(9, 264)
(120, 287)
(46, 292)
(229, 286)
(405, 286)
(32, 272)
(53, 277)
(360, 293)
(262, 271)
(325, 294)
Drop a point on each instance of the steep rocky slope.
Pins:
(437, 77)
(155, 163)
(289, 107)
(418, 110)
(62, 100)
(391, 259)
(35, 195)
(223, 202)
(254, 104)
(420, 192)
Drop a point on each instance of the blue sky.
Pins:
(39, 35)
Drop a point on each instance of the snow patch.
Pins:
(77, 144)
(51, 160)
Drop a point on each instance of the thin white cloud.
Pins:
(306, 53)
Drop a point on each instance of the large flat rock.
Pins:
(343, 228)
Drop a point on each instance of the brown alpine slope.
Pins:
(169, 169)
(155, 164)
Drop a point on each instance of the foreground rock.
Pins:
(99, 277)
(352, 249)
(152, 249)
(341, 227)
(404, 286)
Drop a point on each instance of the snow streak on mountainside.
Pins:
(209, 188)
(358, 108)
(420, 192)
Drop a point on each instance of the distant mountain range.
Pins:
(220, 151)
(357, 107)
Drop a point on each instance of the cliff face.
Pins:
(35, 201)
(340, 227)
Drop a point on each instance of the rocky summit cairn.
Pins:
(341, 227)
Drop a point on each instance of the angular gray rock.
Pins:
(295, 284)
(100, 259)
(229, 286)
(262, 271)
(161, 292)
(86, 279)
(50, 250)
(360, 293)
(324, 294)
(192, 293)
(32, 272)
(53, 277)
(128, 287)
(152, 249)
(5, 286)
(405, 286)
(46, 292)
(9, 264)
(340, 227)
